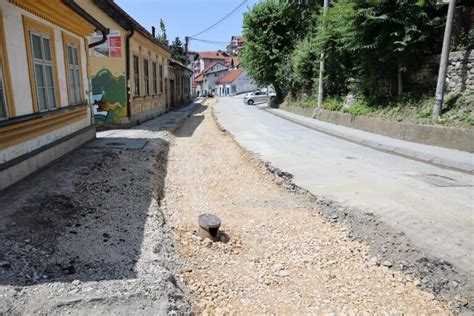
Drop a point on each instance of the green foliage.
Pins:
(369, 46)
(366, 43)
(333, 37)
(333, 104)
(359, 107)
(466, 41)
(162, 37)
(389, 36)
(177, 50)
(271, 29)
(304, 66)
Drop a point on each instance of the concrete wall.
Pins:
(460, 72)
(16, 172)
(447, 137)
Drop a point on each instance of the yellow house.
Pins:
(129, 73)
(44, 104)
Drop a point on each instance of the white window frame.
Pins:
(146, 77)
(43, 63)
(74, 87)
(3, 95)
(161, 79)
(154, 74)
(136, 76)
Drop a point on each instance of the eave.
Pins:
(58, 13)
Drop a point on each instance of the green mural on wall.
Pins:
(109, 94)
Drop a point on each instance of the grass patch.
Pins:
(458, 108)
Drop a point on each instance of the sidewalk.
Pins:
(439, 156)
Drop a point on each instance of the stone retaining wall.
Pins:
(460, 72)
(448, 137)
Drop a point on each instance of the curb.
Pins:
(400, 151)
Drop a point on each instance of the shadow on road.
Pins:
(84, 216)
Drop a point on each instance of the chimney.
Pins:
(153, 31)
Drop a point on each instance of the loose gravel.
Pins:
(110, 230)
(277, 254)
(86, 236)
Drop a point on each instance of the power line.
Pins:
(209, 41)
(225, 17)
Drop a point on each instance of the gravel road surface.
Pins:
(277, 254)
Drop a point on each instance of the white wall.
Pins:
(17, 57)
(16, 50)
(19, 74)
(244, 83)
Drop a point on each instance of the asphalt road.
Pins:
(438, 219)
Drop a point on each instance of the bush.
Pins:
(333, 104)
(359, 107)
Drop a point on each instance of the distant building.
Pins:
(207, 79)
(234, 82)
(179, 84)
(236, 45)
(203, 59)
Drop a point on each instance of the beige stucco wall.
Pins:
(139, 46)
(116, 65)
(144, 48)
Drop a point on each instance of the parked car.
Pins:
(258, 97)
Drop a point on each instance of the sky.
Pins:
(188, 17)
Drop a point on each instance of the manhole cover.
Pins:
(438, 181)
(118, 143)
(115, 144)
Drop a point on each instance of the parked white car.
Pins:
(258, 97)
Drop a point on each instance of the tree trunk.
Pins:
(400, 81)
(279, 96)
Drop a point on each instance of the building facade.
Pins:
(129, 73)
(179, 84)
(45, 110)
(202, 60)
(209, 77)
(236, 45)
(234, 82)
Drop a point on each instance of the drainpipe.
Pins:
(89, 18)
(127, 69)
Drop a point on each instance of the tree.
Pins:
(271, 29)
(177, 50)
(333, 40)
(162, 37)
(390, 38)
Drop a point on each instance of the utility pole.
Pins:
(321, 64)
(443, 62)
(186, 43)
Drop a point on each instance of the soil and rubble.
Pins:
(86, 236)
(107, 230)
(276, 253)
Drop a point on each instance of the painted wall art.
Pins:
(109, 94)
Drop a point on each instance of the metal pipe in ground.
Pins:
(208, 226)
